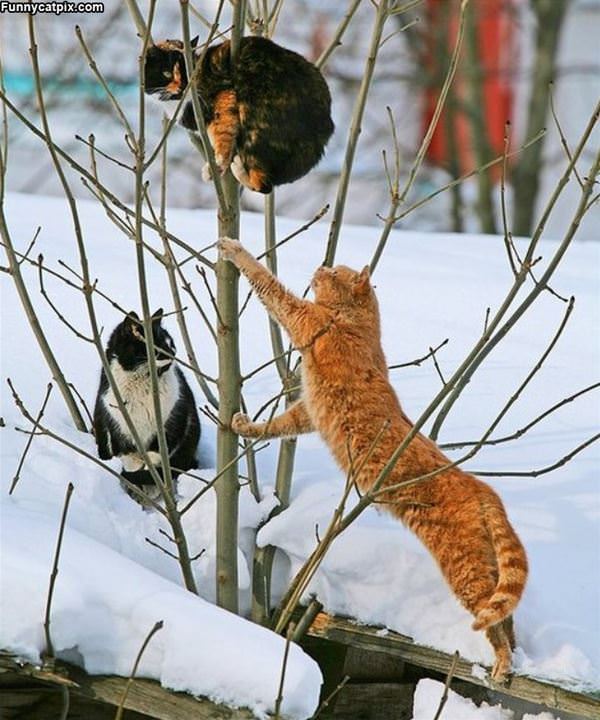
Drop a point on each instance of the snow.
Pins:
(113, 585)
(103, 610)
(429, 693)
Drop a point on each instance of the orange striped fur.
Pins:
(348, 399)
(223, 129)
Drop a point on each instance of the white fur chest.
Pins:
(136, 391)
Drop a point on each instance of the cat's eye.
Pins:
(168, 74)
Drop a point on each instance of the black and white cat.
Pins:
(126, 354)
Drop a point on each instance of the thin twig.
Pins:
(157, 626)
(92, 145)
(398, 199)
(382, 14)
(521, 431)
(449, 677)
(53, 307)
(49, 651)
(25, 255)
(563, 139)
(142, 29)
(284, 663)
(327, 701)
(541, 471)
(436, 365)
(84, 405)
(422, 359)
(36, 423)
(162, 549)
(202, 272)
(336, 40)
(105, 86)
(322, 212)
(508, 241)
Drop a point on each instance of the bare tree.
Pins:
(217, 307)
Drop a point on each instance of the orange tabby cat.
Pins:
(348, 399)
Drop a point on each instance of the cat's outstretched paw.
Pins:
(241, 423)
(206, 173)
(229, 249)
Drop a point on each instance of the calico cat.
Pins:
(348, 399)
(126, 354)
(268, 115)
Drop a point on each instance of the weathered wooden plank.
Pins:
(375, 701)
(145, 696)
(373, 667)
(348, 632)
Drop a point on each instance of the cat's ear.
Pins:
(220, 59)
(157, 316)
(362, 284)
(132, 321)
(194, 41)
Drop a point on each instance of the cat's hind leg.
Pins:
(500, 641)
(253, 178)
(509, 628)
(223, 128)
(294, 421)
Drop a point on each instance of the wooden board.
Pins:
(147, 697)
(375, 701)
(552, 697)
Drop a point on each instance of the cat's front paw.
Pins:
(229, 249)
(241, 423)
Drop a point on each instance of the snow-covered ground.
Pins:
(113, 585)
(428, 696)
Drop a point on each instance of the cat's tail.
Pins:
(512, 570)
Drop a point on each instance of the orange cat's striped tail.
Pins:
(512, 570)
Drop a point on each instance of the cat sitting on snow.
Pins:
(126, 354)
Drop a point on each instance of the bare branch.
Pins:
(162, 549)
(397, 199)
(49, 652)
(422, 359)
(36, 423)
(336, 40)
(519, 433)
(284, 663)
(381, 16)
(157, 626)
(449, 677)
(542, 471)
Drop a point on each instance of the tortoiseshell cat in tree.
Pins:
(268, 115)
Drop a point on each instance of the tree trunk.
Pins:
(526, 177)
